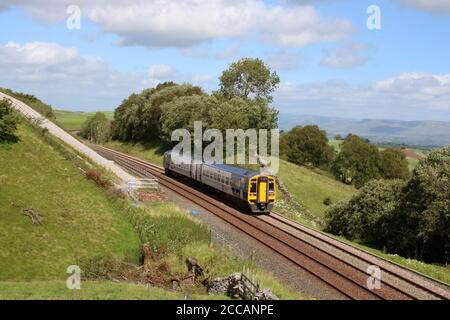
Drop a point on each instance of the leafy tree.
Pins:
(393, 164)
(358, 162)
(8, 122)
(181, 113)
(368, 216)
(425, 208)
(408, 218)
(249, 79)
(138, 117)
(97, 128)
(307, 146)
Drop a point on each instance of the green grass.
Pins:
(73, 121)
(438, 272)
(311, 187)
(78, 219)
(90, 290)
(152, 152)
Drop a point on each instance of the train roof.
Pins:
(234, 169)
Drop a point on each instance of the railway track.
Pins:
(338, 265)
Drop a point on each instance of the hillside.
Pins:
(82, 224)
(425, 133)
(78, 220)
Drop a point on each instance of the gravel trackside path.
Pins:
(31, 114)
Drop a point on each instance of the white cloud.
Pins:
(208, 51)
(345, 56)
(161, 71)
(185, 23)
(285, 60)
(407, 96)
(436, 6)
(65, 78)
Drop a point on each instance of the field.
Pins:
(73, 121)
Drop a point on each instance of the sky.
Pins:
(334, 57)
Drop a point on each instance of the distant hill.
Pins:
(424, 133)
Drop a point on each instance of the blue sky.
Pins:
(329, 62)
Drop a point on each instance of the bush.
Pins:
(8, 122)
(393, 164)
(426, 207)
(96, 176)
(368, 216)
(410, 218)
(327, 201)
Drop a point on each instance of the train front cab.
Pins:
(262, 193)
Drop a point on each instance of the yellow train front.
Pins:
(255, 190)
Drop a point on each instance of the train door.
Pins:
(262, 190)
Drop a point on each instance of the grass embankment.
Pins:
(73, 121)
(77, 219)
(83, 224)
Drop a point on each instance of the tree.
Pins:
(368, 216)
(393, 164)
(307, 146)
(97, 128)
(8, 122)
(250, 79)
(425, 207)
(358, 162)
(138, 117)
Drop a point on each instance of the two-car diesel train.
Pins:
(255, 190)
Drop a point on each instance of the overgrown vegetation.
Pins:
(408, 218)
(8, 122)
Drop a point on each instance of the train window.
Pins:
(271, 187)
(253, 187)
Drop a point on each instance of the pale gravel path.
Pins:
(53, 129)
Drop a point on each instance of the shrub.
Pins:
(8, 122)
(368, 216)
(327, 201)
(426, 206)
(393, 164)
(96, 176)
